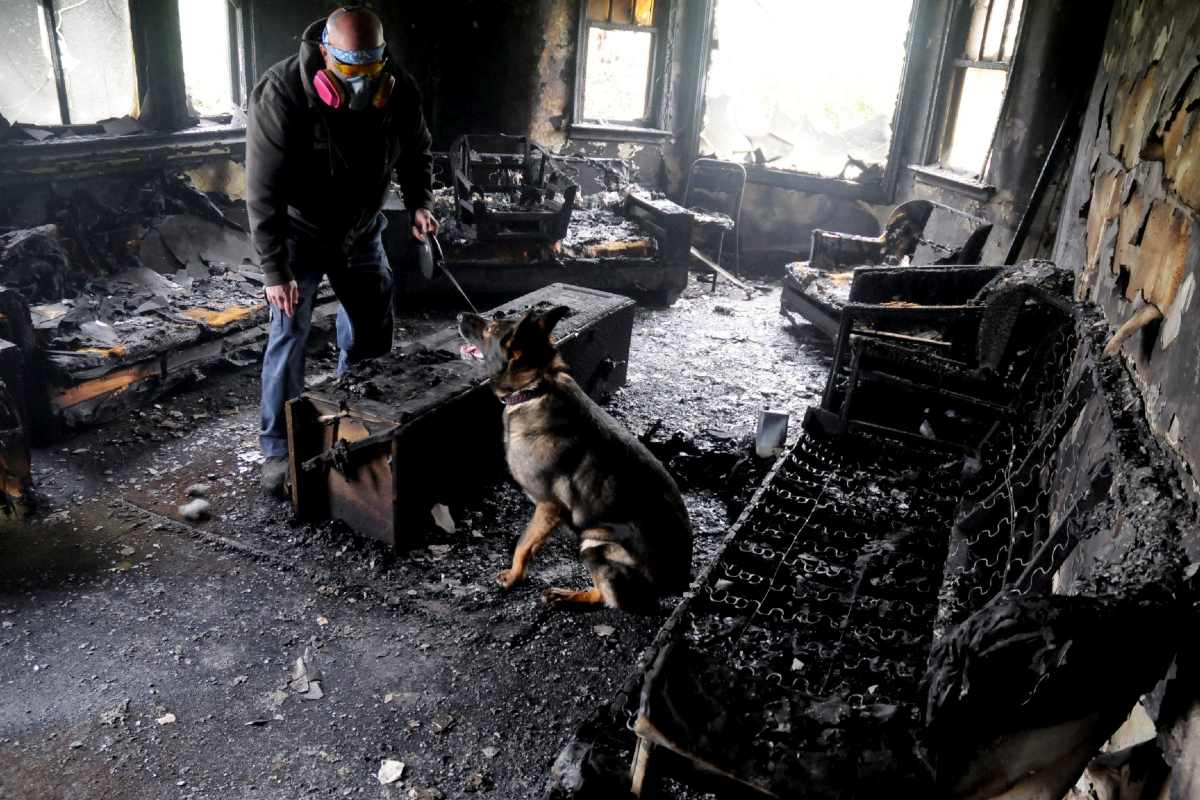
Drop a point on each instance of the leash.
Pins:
(440, 258)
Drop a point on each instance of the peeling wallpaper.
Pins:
(1130, 223)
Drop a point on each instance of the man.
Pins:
(327, 128)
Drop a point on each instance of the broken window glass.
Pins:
(805, 85)
(97, 55)
(617, 77)
(207, 67)
(29, 92)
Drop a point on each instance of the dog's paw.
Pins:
(508, 578)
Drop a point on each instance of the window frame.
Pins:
(652, 127)
(239, 52)
(145, 78)
(947, 95)
(56, 63)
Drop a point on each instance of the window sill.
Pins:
(954, 181)
(99, 154)
(814, 184)
(619, 133)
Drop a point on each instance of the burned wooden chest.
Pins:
(421, 426)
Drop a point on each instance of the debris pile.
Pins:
(132, 288)
(598, 229)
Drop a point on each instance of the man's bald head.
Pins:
(354, 28)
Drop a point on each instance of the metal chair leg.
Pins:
(737, 248)
(720, 252)
(839, 354)
(855, 360)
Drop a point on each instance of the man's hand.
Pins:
(284, 296)
(423, 224)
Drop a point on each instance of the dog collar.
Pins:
(524, 395)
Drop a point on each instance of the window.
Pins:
(210, 65)
(978, 83)
(78, 62)
(29, 94)
(69, 62)
(806, 85)
(618, 56)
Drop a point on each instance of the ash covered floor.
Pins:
(145, 657)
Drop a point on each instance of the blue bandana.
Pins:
(352, 56)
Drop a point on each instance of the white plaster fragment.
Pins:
(1164, 37)
(1174, 316)
(628, 150)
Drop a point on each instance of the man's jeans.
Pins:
(362, 281)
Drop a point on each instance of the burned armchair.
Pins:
(934, 355)
(918, 232)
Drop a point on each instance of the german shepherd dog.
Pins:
(581, 469)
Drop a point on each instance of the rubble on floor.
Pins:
(217, 612)
(129, 299)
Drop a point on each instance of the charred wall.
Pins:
(474, 60)
(659, 164)
(1130, 228)
(1130, 223)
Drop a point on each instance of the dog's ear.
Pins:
(471, 327)
(548, 320)
(526, 330)
(537, 325)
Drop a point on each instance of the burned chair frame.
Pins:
(959, 337)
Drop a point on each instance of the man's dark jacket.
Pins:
(328, 168)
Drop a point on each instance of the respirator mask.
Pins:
(359, 81)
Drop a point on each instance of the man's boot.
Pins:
(275, 476)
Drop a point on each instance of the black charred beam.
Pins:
(158, 51)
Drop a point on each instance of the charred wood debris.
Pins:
(128, 289)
